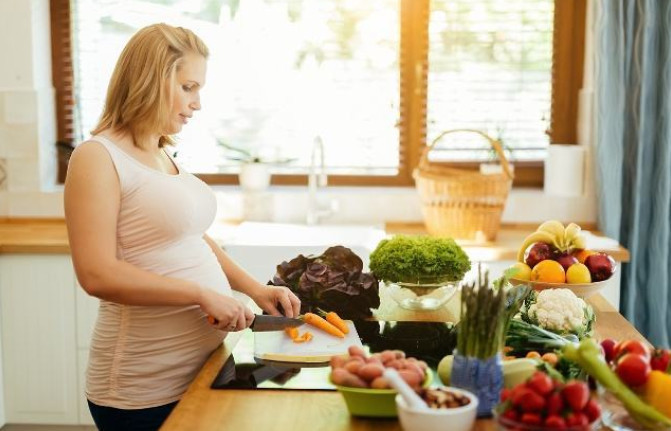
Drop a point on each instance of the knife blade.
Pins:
(262, 323)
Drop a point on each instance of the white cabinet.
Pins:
(39, 354)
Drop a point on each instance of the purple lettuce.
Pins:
(332, 281)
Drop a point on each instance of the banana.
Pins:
(572, 237)
(538, 236)
(554, 227)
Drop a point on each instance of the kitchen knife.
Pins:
(262, 323)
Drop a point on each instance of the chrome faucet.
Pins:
(316, 180)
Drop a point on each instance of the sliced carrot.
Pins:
(318, 322)
(291, 332)
(306, 336)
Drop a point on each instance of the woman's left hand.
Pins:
(269, 297)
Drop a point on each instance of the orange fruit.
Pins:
(578, 274)
(548, 271)
(523, 272)
(582, 254)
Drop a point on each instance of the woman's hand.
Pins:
(269, 297)
(229, 313)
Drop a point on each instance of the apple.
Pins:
(566, 260)
(539, 251)
(600, 265)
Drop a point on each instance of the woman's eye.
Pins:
(186, 88)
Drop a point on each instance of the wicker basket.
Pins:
(461, 203)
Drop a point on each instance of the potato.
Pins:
(339, 376)
(400, 354)
(356, 351)
(414, 367)
(396, 363)
(353, 381)
(370, 372)
(353, 366)
(387, 356)
(338, 361)
(410, 377)
(380, 383)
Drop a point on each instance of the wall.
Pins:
(28, 161)
(27, 124)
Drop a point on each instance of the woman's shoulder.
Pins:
(91, 155)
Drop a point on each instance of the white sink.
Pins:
(260, 247)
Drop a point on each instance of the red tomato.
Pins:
(633, 369)
(608, 346)
(631, 346)
(661, 359)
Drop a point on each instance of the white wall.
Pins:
(27, 151)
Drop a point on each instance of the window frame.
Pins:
(567, 76)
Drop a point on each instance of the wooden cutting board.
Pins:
(277, 346)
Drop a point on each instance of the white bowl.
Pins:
(454, 419)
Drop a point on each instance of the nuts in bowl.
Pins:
(449, 408)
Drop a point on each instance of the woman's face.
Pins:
(189, 80)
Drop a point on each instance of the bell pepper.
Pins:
(657, 392)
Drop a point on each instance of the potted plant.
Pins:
(422, 271)
(254, 172)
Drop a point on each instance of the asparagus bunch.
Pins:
(486, 313)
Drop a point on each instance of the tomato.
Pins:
(661, 359)
(633, 369)
(631, 346)
(608, 346)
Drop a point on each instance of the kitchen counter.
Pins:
(203, 408)
(38, 236)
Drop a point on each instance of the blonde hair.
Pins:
(138, 97)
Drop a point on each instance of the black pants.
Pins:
(111, 419)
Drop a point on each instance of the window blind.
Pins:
(490, 69)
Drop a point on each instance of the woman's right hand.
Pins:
(229, 314)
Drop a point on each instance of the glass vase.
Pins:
(483, 377)
(422, 296)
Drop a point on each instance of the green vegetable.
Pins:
(588, 355)
(485, 315)
(524, 337)
(419, 259)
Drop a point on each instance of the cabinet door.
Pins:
(38, 336)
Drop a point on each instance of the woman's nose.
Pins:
(195, 104)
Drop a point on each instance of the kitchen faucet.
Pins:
(316, 180)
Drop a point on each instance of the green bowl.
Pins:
(379, 403)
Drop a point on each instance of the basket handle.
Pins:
(495, 143)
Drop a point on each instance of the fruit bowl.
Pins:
(582, 290)
(505, 424)
(374, 402)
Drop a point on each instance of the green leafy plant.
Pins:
(419, 259)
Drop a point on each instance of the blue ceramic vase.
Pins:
(483, 377)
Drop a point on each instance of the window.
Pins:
(375, 80)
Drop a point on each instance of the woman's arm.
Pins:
(267, 297)
(92, 201)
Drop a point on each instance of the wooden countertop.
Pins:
(203, 408)
(19, 235)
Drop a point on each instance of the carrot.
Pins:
(306, 336)
(292, 332)
(335, 320)
(318, 322)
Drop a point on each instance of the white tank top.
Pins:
(146, 356)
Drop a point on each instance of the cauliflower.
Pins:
(559, 311)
